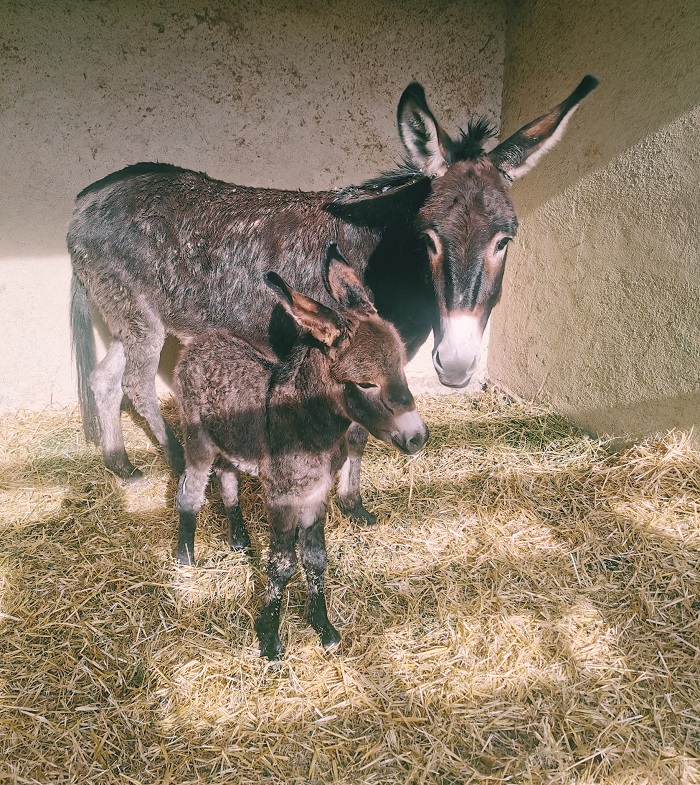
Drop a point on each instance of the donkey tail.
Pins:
(83, 345)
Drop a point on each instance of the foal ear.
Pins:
(342, 282)
(427, 145)
(323, 323)
(521, 151)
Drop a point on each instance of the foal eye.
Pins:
(367, 385)
(502, 243)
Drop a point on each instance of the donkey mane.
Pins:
(470, 145)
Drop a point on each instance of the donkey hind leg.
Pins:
(106, 385)
(280, 568)
(349, 499)
(312, 549)
(227, 477)
(191, 489)
(139, 385)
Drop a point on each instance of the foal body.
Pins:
(286, 422)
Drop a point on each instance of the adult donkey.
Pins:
(160, 250)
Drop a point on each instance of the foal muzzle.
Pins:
(410, 433)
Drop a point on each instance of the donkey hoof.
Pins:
(272, 650)
(330, 638)
(184, 557)
(270, 644)
(124, 470)
(134, 475)
(238, 538)
(239, 544)
(357, 513)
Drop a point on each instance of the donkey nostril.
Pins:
(416, 442)
(437, 360)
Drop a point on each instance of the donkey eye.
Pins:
(367, 385)
(502, 243)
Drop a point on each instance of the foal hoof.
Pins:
(272, 649)
(357, 512)
(238, 538)
(239, 544)
(330, 638)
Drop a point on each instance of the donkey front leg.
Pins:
(227, 477)
(280, 568)
(312, 549)
(349, 499)
(191, 490)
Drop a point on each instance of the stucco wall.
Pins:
(601, 305)
(288, 94)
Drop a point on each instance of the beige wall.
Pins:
(601, 305)
(289, 94)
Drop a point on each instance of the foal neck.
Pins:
(303, 407)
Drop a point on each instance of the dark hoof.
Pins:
(270, 646)
(184, 557)
(357, 513)
(124, 470)
(238, 538)
(239, 544)
(330, 638)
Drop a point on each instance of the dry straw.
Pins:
(526, 612)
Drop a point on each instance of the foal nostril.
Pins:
(437, 360)
(417, 441)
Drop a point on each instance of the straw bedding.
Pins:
(526, 612)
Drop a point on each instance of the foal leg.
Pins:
(142, 358)
(106, 385)
(280, 568)
(349, 499)
(227, 478)
(201, 452)
(312, 549)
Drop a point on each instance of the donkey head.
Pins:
(468, 217)
(365, 354)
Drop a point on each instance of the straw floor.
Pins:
(526, 612)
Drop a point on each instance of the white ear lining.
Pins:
(533, 159)
(428, 155)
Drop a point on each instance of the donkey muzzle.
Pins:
(454, 370)
(410, 433)
(456, 353)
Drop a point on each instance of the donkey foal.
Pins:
(287, 422)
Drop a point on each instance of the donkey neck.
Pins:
(303, 410)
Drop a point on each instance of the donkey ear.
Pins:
(427, 145)
(521, 151)
(342, 282)
(323, 323)
(379, 201)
